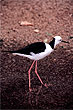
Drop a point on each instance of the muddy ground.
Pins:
(51, 17)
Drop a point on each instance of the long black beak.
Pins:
(64, 41)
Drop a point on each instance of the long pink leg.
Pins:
(29, 75)
(38, 74)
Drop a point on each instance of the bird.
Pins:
(37, 51)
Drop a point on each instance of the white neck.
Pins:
(56, 43)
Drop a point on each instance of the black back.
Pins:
(36, 47)
(52, 43)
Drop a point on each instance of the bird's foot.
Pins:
(30, 90)
(46, 85)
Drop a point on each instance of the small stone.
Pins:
(46, 40)
(54, 59)
(25, 23)
(36, 30)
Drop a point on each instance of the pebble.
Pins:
(25, 23)
(36, 30)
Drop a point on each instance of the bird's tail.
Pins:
(7, 51)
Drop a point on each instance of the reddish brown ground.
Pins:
(51, 17)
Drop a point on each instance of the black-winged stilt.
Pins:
(37, 51)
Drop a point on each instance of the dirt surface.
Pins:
(51, 18)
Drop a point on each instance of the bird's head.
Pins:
(57, 39)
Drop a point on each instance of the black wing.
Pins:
(52, 43)
(36, 47)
